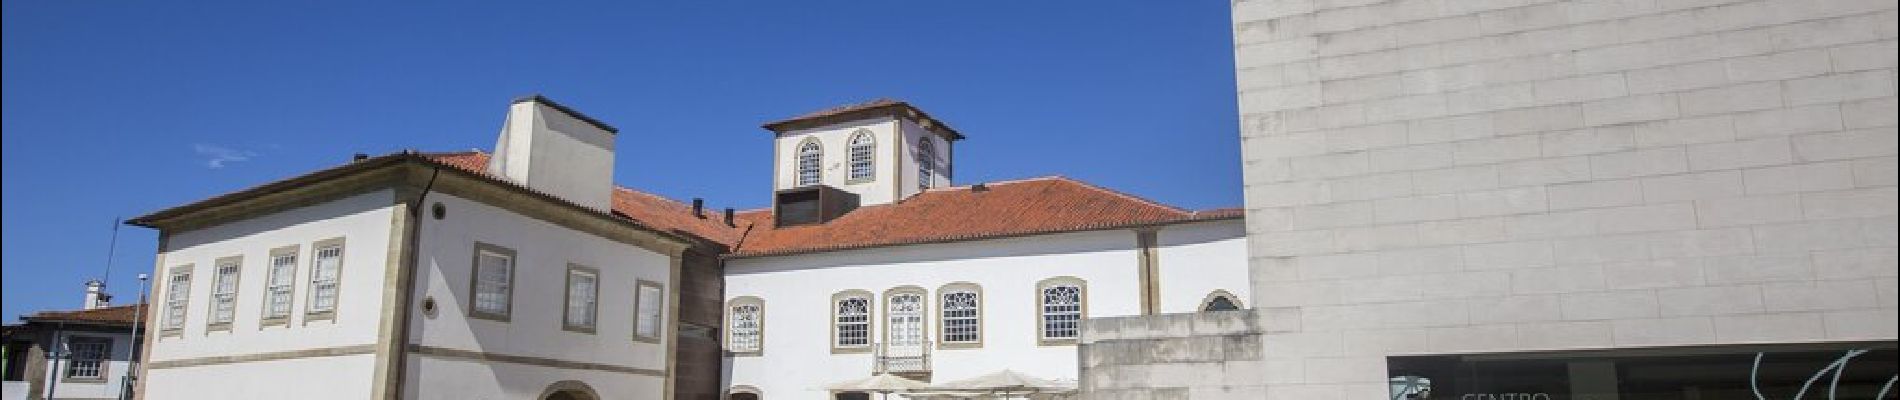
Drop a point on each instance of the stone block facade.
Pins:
(1479, 176)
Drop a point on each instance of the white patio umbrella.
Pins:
(882, 384)
(1006, 382)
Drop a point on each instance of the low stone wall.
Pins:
(1210, 355)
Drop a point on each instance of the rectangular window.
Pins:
(583, 293)
(960, 318)
(647, 305)
(326, 274)
(1061, 312)
(177, 294)
(493, 281)
(747, 328)
(88, 357)
(854, 322)
(280, 284)
(224, 291)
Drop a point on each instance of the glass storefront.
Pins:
(1831, 371)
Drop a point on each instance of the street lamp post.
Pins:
(132, 358)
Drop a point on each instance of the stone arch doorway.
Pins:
(569, 390)
(744, 392)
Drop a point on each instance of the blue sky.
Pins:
(119, 108)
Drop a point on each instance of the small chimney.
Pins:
(95, 295)
(359, 157)
(699, 207)
(729, 217)
(556, 150)
(979, 188)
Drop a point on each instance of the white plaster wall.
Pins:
(836, 165)
(459, 379)
(364, 223)
(1197, 259)
(1428, 177)
(543, 252)
(117, 365)
(913, 134)
(797, 361)
(322, 378)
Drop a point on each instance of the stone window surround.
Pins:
(237, 286)
(567, 298)
(926, 155)
(660, 330)
(955, 287)
(169, 326)
(311, 314)
(1082, 291)
(743, 301)
(270, 271)
(851, 147)
(870, 320)
(1217, 293)
(924, 317)
(474, 281)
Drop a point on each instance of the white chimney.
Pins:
(95, 295)
(556, 150)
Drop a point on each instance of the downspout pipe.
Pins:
(413, 240)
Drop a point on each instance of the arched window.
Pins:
(1220, 300)
(1062, 303)
(851, 321)
(961, 315)
(745, 326)
(926, 162)
(863, 148)
(810, 156)
(744, 392)
(904, 312)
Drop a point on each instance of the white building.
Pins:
(524, 273)
(937, 282)
(405, 276)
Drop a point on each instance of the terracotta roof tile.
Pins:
(120, 315)
(1000, 209)
(646, 208)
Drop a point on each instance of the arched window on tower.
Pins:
(926, 163)
(863, 149)
(810, 156)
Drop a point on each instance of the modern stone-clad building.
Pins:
(1551, 199)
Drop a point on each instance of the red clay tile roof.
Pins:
(646, 208)
(1003, 209)
(865, 109)
(115, 315)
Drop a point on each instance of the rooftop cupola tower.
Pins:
(556, 150)
(882, 151)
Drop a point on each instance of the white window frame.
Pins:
(280, 285)
(853, 320)
(506, 286)
(743, 340)
(582, 294)
(327, 259)
(649, 311)
(1060, 324)
(177, 299)
(808, 163)
(863, 154)
(227, 275)
(94, 358)
(956, 315)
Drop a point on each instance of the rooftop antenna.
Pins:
(111, 247)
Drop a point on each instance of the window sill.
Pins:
(959, 346)
(647, 339)
(1057, 342)
(851, 350)
(578, 329)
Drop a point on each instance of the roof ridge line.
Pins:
(1126, 195)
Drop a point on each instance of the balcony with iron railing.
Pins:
(906, 360)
